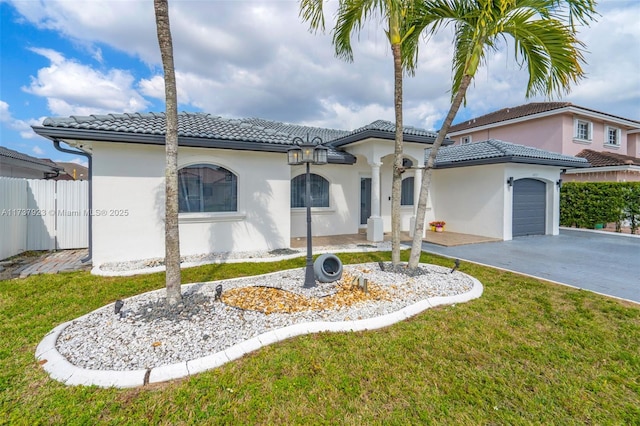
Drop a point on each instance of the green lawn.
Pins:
(526, 352)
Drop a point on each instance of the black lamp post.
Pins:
(309, 152)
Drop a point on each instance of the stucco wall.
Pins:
(470, 199)
(545, 133)
(477, 200)
(129, 180)
(343, 214)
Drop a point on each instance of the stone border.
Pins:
(59, 368)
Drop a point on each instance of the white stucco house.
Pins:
(238, 193)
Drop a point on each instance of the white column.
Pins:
(375, 189)
(375, 225)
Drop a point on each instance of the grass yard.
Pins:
(526, 352)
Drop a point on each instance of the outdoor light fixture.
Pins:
(510, 181)
(559, 183)
(309, 152)
(456, 266)
(218, 292)
(118, 306)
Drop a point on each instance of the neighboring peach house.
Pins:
(605, 167)
(563, 128)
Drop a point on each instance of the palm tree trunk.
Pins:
(416, 246)
(396, 186)
(171, 229)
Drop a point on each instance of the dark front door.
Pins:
(529, 207)
(365, 200)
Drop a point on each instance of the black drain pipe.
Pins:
(56, 144)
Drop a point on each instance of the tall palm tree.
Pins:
(171, 230)
(544, 38)
(351, 17)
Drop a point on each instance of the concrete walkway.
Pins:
(60, 261)
(447, 239)
(603, 262)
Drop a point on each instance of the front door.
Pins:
(365, 200)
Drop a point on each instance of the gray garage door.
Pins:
(529, 207)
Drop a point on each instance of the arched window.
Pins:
(207, 188)
(319, 191)
(406, 197)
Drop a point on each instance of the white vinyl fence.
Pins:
(42, 215)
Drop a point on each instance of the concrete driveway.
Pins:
(605, 263)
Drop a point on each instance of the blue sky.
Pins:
(255, 58)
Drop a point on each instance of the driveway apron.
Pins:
(601, 262)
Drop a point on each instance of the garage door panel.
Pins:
(529, 207)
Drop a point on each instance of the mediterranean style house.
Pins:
(567, 129)
(237, 191)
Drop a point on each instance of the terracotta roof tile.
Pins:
(508, 114)
(604, 159)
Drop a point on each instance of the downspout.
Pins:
(56, 144)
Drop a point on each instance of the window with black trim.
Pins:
(406, 196)
(319, 191)
(204, 188)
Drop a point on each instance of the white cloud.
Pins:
(37, 150)
(72, 88)
(126, 25)
(254, 58)
(21, 126)
(5, 115)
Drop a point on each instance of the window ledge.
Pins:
(314, 210)
(582, 141)
(211, 217)
(611, 146)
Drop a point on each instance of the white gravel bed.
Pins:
(143, 336)
(143, 266)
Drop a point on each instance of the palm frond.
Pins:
(312, 11)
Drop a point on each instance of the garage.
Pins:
(529, 207)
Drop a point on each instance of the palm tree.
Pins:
(351, 17)
(171, 231)
(545, 42)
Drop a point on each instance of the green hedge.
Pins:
(585, 204)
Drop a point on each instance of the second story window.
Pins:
(465, 140)
(612, 136)
(583, 130)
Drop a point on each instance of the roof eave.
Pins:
(604, 169)
(31, 165)
(511, 159)
(381, 134)
(147, 139)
